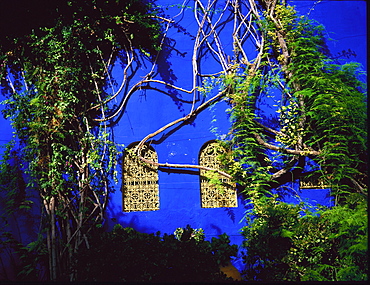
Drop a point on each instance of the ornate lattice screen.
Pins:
(140, 182)
(213, 196)
(312, 183)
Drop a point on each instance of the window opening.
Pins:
(215, 196)
(312, 183)
(140, 189)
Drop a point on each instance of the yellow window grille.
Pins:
(140, 189)
(215, 196)
(313, 183)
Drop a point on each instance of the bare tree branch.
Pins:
(183, 119)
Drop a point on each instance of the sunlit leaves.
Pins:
(53, 73)
(296, 243)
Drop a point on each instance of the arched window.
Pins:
(140, 181)
(215, 196)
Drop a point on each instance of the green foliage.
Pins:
(96, 21)
(12, 183)
(140, 257)
(54, 71)
(54, 75)
(34, 257)
(189, 233)
(246, 159)
(57, 75)
(321, 114)
(326, 245)
(327, 107)
(334, 109)
(26, 261)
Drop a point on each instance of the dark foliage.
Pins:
(127, 255)
(327, 245)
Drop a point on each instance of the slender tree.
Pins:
(57, 76)
(55, 69)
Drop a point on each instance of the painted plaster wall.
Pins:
(345, 23)
(148, 111)
(180, 192)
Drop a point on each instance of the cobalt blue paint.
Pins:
(179, 192)
(146, 111)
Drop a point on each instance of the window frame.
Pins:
(146, 191)
(210, 196)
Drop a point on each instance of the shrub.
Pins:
(329, 245)
(125, 254)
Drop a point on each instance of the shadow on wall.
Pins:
(217, 229)
(115, 215)
(20, 214)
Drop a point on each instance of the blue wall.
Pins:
(146, 111)
(345, 23)
(179, 192)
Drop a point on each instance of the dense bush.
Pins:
(125, 254)
(329, 245)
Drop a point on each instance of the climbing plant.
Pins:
(318, 133)
(62, 99)
(321, 111)
(55, 72)
(321, 118)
